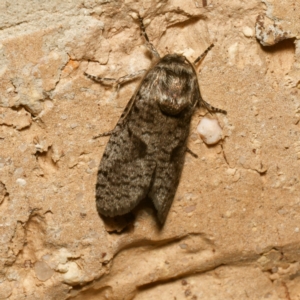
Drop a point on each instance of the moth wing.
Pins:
(165, 182)
(124, 175)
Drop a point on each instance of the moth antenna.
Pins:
(203, 54)
(149, 45)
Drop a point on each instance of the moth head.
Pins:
(174, 59)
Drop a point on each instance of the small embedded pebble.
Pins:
(190, 208)
(21, 182)
(42, 270)
(210, 131)
(134, 15)
(183, 246)
(73, 125)
(247, 31)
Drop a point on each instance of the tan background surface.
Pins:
(233, 231)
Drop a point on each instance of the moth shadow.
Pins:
(119, 224)
(282, 46)
(125, 223)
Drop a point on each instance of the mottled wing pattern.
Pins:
(124, 175)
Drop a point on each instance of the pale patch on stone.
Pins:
(5, 289)
(63, 255)
(73, 275)
(190, 208)
(232, 53)
(230, 171)
(42, 271)
(188, 52)
(21, 182)
(18, 119)
(247, 31)
(23, 147)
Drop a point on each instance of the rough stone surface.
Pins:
(233, 231)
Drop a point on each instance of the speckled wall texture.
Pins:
(233, 231)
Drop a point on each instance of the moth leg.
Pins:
(188, 150)
(149, 45)
(119, 81)
(116, 83)
(203, 54)
(211, 108)
(107, 133)
(131, 76)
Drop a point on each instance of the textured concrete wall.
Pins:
(233, 231)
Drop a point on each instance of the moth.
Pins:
(144, 156)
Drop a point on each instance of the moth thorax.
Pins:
(174, 98)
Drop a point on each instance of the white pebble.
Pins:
(210, 131)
